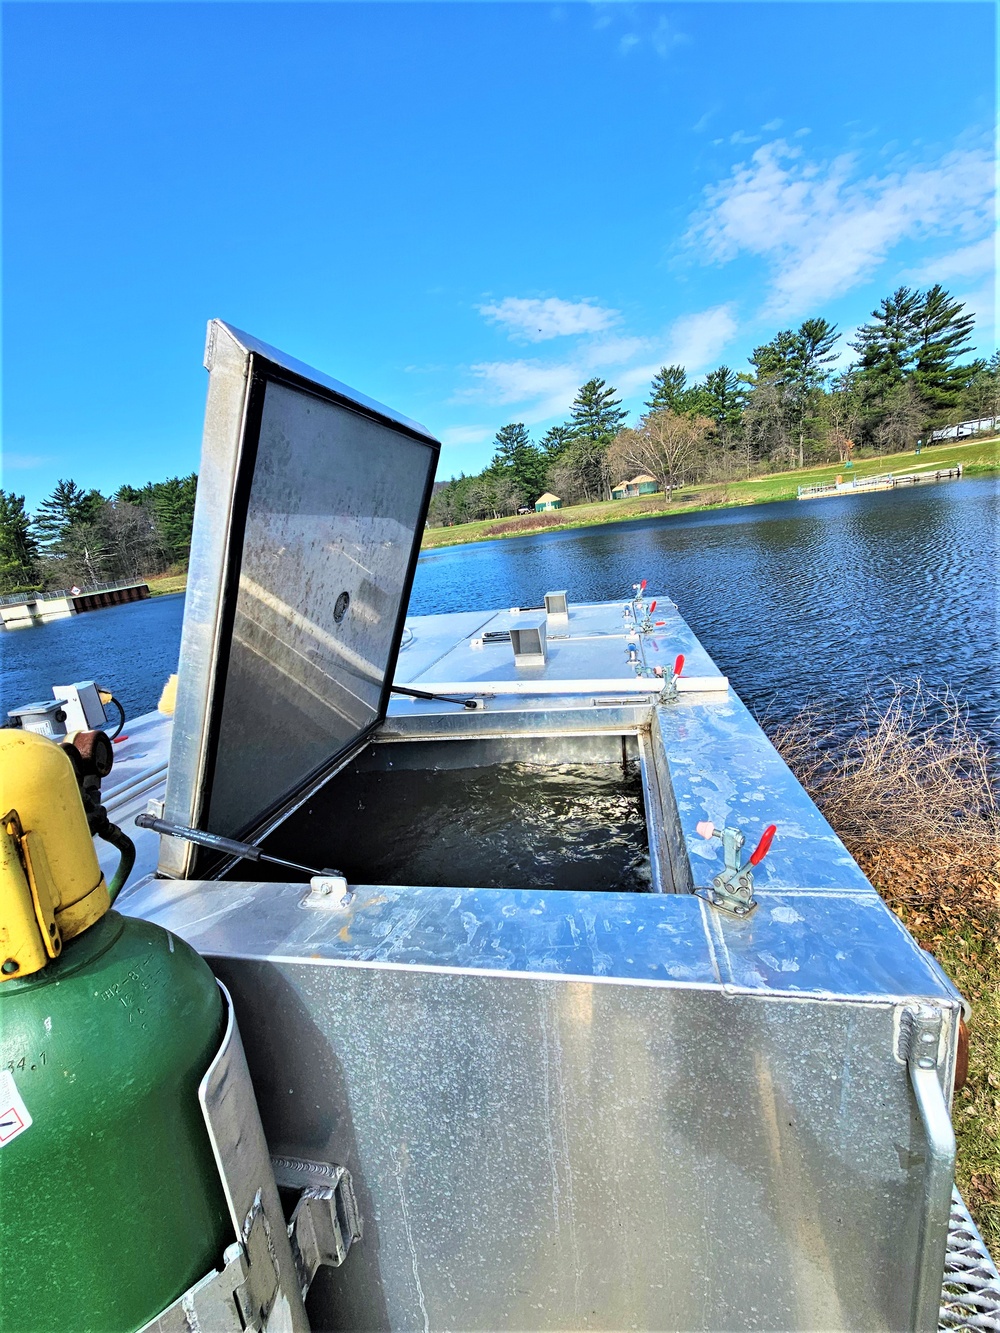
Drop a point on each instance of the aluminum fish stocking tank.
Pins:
(578, 1014)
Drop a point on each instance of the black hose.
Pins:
(126, 848)
(122, 711)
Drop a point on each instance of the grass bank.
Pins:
(977, 456)
(162, 583)
(912, 794)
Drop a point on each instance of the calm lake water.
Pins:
(796, 601)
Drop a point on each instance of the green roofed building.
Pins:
(643, 484)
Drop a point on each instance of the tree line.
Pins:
(911, 372)
(85, 537)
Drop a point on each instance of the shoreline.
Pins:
(978, 457)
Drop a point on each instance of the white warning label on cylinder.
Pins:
(14, 1117)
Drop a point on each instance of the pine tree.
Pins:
(519, 461)
(942, 337)
(172, 503)
(886, 347)
(68, 504)
(724, 400)
(774, 360)
(18, 546)
(668, 389)
(555, 440)
(811, 358)
(597, 415)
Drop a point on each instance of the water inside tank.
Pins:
(511, 825)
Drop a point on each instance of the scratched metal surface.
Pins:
(820, 945)
(545, 1153)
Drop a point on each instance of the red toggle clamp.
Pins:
(764, 846)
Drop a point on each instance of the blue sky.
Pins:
(466, 209)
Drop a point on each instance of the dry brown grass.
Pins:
(504, 527)
(911, 790)
(908, 770)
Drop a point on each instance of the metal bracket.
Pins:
(327, 892)
(213, 1303)
(325, 1220)
(920, 1031)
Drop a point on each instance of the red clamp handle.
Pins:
(642, 585)
(652, 606)
(679, 664)
(764, 846)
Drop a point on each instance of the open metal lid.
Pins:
(311, 504)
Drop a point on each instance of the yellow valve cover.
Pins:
(46, 853)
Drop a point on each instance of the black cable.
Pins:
(121, 711)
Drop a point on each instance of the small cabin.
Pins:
(643, 484)
(546, 502)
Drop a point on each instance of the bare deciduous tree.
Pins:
(662, 444)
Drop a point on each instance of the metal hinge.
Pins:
(325, 1220)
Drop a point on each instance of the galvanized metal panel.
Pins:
(824, 946)
(544, 1153)
(311, 505)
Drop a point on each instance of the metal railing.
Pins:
(53, 594)
(882, 479)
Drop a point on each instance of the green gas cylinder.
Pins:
(112, 1204)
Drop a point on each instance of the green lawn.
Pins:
(975, 457)
(162, 583)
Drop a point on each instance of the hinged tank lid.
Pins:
(311, 504)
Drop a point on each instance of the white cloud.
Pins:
(968, 262)
(773, 125)
(641, 28)
(822, 229)
(538, 391)
(541, 391)
(695, 342)
(24, 462)
(702, 122)
(466, 434)
(535, 319)
(741, 138)
(982, 303)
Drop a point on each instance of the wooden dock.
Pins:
(20, 610)
(886, 481)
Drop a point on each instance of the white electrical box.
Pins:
(82, 705)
